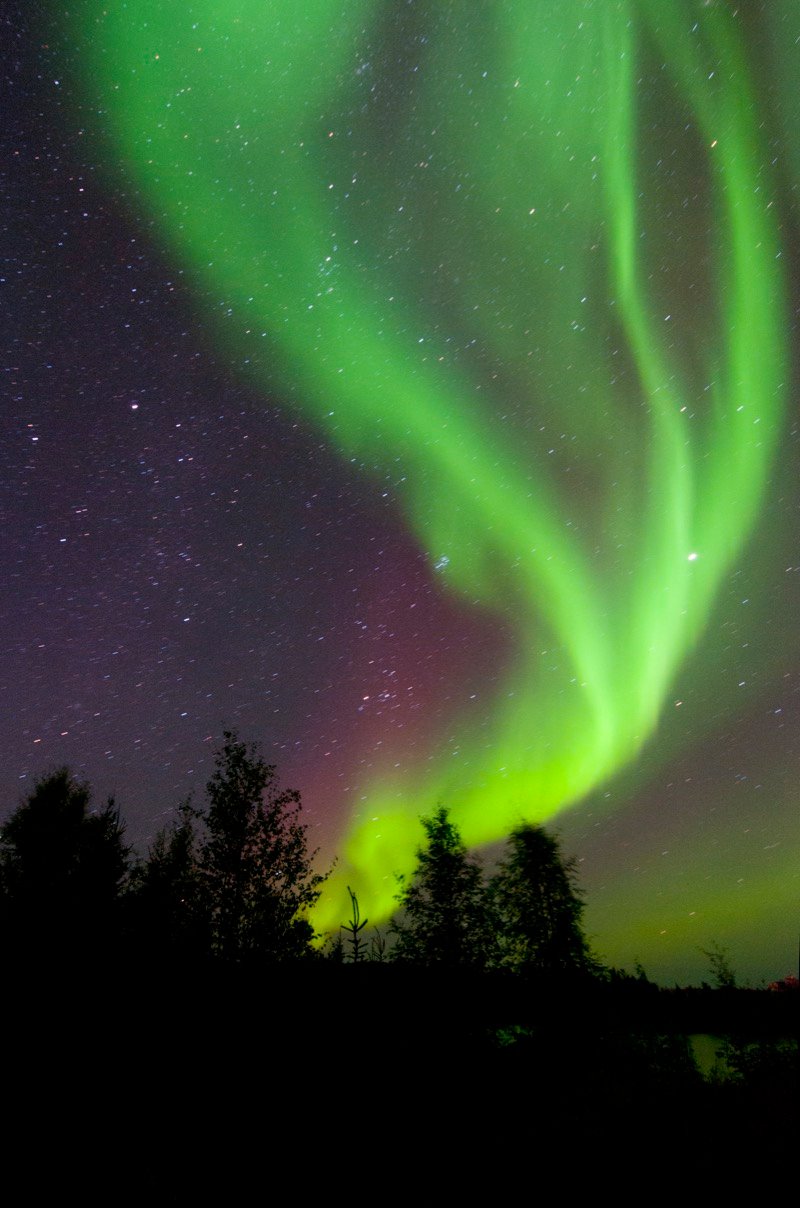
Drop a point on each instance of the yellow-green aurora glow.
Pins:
(523, 258)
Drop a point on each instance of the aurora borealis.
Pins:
(527, 270)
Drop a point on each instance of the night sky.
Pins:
(412, 387)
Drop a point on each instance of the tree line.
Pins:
(235, 881)
(527, 917)
(480, 1004)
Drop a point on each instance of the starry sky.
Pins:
(412, 387)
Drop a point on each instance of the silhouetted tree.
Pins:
(445, 918)
(354, 926)
(255, 867)
(168, 909)
(538, 907)
(61, 870)
(723, 975)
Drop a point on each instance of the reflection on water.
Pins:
(706, 1049)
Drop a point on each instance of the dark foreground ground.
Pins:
(174, 1083)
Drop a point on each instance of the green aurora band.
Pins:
(521, 261)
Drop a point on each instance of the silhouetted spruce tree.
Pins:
(256, 871)
(62, 867)
(354, 926)
(445, 914)
(538, 907)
